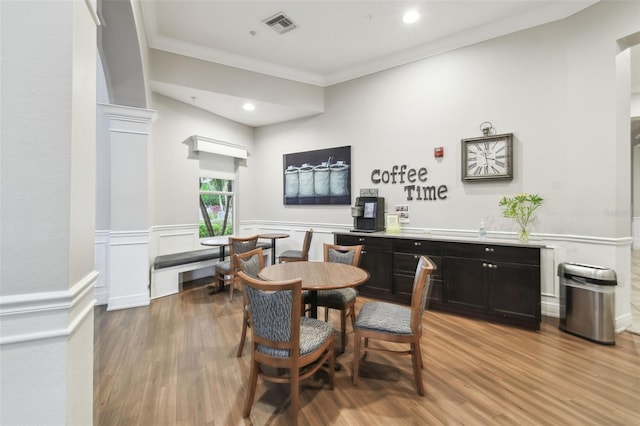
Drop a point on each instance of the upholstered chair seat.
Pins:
(298, 255)
(397, 324)
(385, 317)
(343, 300)
(294, 347)
(224, 270)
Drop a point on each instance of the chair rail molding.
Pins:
(46, 315)
(610, 252)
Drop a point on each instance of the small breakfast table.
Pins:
(273, 237)
(316, 276)
(221, 242)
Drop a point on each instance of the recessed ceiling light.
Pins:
(410, 17)
(248, 106)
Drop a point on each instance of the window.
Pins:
(216, 207)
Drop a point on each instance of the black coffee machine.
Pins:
(368, 214)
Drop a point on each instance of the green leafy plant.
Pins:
(521, 207)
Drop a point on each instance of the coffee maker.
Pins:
(368, 214)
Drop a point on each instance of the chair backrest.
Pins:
(421, 289)
(306, 244)
(239, 245)
(275, 315)
(349, 255)
(250, 262)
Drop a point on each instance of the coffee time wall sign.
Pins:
(413, 182)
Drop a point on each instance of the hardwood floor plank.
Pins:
(174, 363)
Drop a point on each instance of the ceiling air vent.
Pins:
(280, 23)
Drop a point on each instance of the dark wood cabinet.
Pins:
(377, 259)
(406, 254)
(496, 282)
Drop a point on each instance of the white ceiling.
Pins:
(335, 40)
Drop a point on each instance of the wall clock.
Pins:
(487, 158)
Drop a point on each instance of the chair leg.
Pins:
(343, 328)
(326, 314)
(356, 357)
(245, 321)
(332, 360)
(232, 286)
(295, 396)
(251, 390)
(416, 358)
(352, 314)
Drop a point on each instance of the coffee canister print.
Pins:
(305, 177)
(291, 182)
(339, 179)
(321, 180)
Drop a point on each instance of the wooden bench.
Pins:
(167, 269)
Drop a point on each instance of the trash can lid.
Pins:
(593, 274)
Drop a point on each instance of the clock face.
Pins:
(487, 158)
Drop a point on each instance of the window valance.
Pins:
(214, 146)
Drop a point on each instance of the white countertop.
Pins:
(449, 238)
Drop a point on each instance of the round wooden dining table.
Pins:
(316, 276)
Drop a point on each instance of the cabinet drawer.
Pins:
(369, 243)
(406, 263)
(403, 287)
(497, 253)
(418, 246)
(347, 240)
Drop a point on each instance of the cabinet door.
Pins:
(514, 292)
(377, 260)
(466, 284)
(379, 265)
(404, 265)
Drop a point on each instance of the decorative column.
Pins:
(128, 258)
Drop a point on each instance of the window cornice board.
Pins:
(214, 146)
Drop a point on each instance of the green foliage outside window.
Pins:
(216, 202)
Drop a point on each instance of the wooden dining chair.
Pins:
(224, 271)
(298, 255)
(251, 263)
(343, 299)
(390, 322)
(291, 347)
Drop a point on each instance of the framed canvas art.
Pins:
(318, 177)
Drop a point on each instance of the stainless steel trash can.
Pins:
(587, 301)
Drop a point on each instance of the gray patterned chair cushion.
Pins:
(336, 299)
(291, 253)
(251, 266)
(271, 315)
(336, 256)
(313, 333)
(244, 246)
(224, 266)
(386, 317)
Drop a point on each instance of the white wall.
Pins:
(48, 211)
(175, 168)
(548, 85)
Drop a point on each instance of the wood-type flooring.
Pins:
(174, 363)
